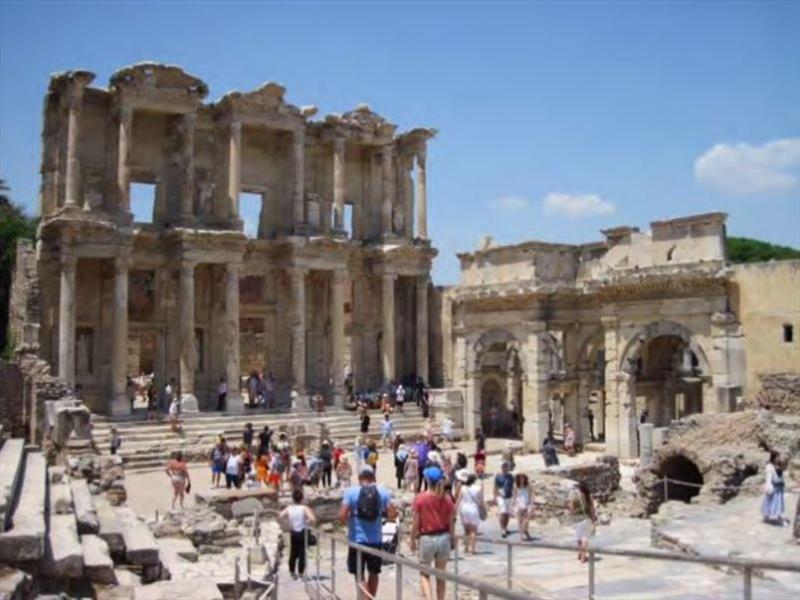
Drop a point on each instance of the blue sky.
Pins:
(556, 120)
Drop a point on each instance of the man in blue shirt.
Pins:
(363, 508)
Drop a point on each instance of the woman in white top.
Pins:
(522, 505)
(469, 500)
(298, 516)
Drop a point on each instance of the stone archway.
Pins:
(497, 369)
(684, 479)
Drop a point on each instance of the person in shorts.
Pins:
(363, 508)
(433, 529)
(503, 493)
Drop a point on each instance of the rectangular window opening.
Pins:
(143, 202)
(788, 333)
(250, 206)
(349, 215)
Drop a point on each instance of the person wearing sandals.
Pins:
(471, 509)
(522, 505)
(582, 507)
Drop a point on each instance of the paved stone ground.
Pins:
(733, 528)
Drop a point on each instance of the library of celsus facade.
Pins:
(337, 277)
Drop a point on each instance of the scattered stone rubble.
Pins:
(780, 392)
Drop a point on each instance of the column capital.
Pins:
(297, 272)
(424, 279)
(190, 119)
(187, 268)
(233, 268)
(609, 321)
(122, 263)
(68, 261)
(421, 156)
(235, 127)
(339, 144)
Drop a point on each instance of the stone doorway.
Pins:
(499, 385)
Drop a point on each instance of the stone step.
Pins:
(111, 527)
(140, 545)
(11, 457)
(97, 561)
(64, 558)
(25, 541)
(85, 512)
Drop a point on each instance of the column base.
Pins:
(119, 406)
(234, 402)
(534, 431)
(338, 398)
(189, 403)
(299, 400)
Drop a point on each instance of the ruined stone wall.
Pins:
(24, 307)
(780, 393)
(11, 408)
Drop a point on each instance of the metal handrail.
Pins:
(483, 588)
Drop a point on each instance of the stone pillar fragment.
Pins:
(387, 176)
(298, 276)
(422, 198)
(123, 156)
(535, 409)
(234, 400)
(298, 160)
(388, 345)
(66, 321)
(339, 184)
(422, 327)
(188, 350)
(73, 171)
(234, 169)
(187, 185)
(120, 404)
(338, 283)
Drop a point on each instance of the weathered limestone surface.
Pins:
(111, 526)
(97, 560)
(140, 545)
(60, 499)
(15, 584)
(65, 554)
(188, 589)
(11, 457)
(85, 511)
(25, 541)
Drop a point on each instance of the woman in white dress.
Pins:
(469, 500)
(522, 505)
(582, 507)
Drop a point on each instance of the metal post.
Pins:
(236, 577)
(455, 569)
(748, 583)
(333, 565)
(317, 560)
(305, 548)
(510, 569)
(359, 594)
(398, 582)
(591, 575)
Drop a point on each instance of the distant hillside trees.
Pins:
(748, 250)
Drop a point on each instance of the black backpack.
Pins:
(368, 507)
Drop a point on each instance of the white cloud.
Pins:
(510, 203)
(745, 170)
(576, 206)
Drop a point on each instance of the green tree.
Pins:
(14, 225)
(748, 250)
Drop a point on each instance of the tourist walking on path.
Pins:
(179, 476)
(252, 389)
(387, 431)
(363, 507)
(276, 469)
(582, 506)
(222, 393)
(772, 506)
(218, 459)
(411, 471)
(503, 493)
(589, 416)
(326, 458)
(298, 517)
(116, 440)
(264, 439)
(447, 430)
(480, 440)
(400, 458)
(471, 509)
(523, 505)
(549, 453)
(399, 397)
(262, 468)
(233, 469)
(358, 454)
(169, 394)
(174, 412)
(569, 439)
(247, 435)
(433, 530)
(344, 472)
(364, 421)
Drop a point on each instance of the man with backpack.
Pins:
(363, 509)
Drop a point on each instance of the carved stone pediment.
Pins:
(364, 121)
(267, 101)
(158, 77)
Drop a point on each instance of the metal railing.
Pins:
(485, 589)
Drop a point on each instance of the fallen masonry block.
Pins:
(111, 527)
(85, 511)
(11, 457)
(15, 584)
(187, 589)
(97, 561)
(140, 545)
(25, 541)
(60, 499)
(65, 555)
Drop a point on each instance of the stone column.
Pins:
(339, 184)
(188, 352)
(406, 195)
(536, 400)
(234, 400)
(388, 345)
(66, 321)
(187, 185)
(645, 444)
(338, 283)
(119, 340)
(422, 198)
(298, 160)
(123, 154)
(387, 176)
(73, 174)
(298, 276)
(422, 327)
(234, 169)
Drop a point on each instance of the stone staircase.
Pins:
(56, 536)
(148, 444)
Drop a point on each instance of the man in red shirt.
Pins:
(433, 528)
